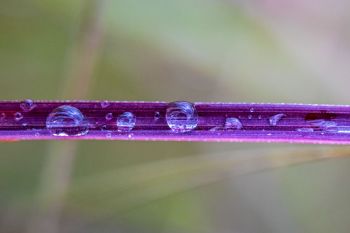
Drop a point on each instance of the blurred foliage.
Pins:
(197, 50)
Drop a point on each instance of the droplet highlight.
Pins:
(67, 121)
(181, 116)
(126, 122)
(276, 118)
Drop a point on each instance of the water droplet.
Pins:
(252, 110)
(259, 117)
(105, 104)
(109, 135)
(305, 130)
(156, 116)
(27, 105)
(25, 124)
(181, 116)
(18, 116)
(2, 116)
(250, 117)
(67, 121)
(276, 118)
(109, 116)
(233, 123)
(126, 121)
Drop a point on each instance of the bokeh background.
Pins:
(195, 50)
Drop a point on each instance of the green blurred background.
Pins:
(196, 50)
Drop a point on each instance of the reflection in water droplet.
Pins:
(181, 116)
(305, 130)
(27, 105)
(126, 121)
(276, 118)
(109, 116)
(105, 104)
(233, 123)
(18, 116)
(67, 121)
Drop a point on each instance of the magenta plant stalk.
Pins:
(177, 121)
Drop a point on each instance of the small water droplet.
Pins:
(126, 121)
(250, 117)
(252, 110)
(105, 104)
(259, 117)
(27, 105)
(109, 116)
(130, 135)
(181, 116)
(109, 135)
(18, 116)
(67, 121)
(156, 116)
(25, 124)
(2, 116)
(233, 123)
(276, 118)
(305, 130)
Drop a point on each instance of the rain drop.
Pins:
(27, 105)
(181, 116)
(276, 118)
(233, 123)
(126, 121)
(67, 121)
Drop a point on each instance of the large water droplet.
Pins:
(181, 116)
(233, 123)
(126, 122)
(276, 118)
(27, 105)
(18, 116)
(67, 121)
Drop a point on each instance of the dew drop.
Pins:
(126, 122)
(109, 116)
(67, 121)
(18, 116)
(105, 104)
(27, 105)
(276, 118)
(181, 116)
(233, 123)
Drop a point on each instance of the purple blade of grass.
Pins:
(177, 121)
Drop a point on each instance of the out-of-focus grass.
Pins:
(211, 50)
